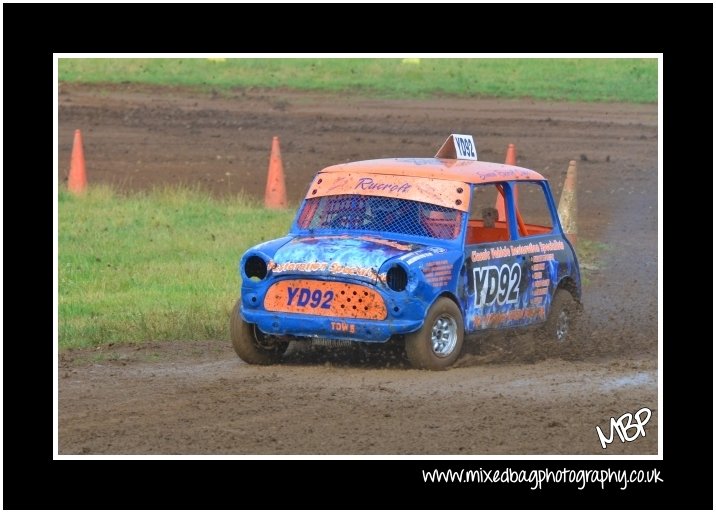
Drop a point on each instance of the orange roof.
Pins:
(469, 171)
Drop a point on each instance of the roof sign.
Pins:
(458, 146)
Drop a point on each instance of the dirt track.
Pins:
(504, 397)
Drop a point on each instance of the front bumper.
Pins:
(359, 330)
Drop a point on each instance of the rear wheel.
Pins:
(251, 344)
(559, 329)
(438, 344)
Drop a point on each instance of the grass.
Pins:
(622, 80)
(160, 265)
(591, 255)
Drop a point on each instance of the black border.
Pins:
(31, 34)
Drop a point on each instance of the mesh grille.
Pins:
(351, 212)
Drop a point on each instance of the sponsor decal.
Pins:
(304, 267)
(543, 258)
(314, 267)
(367, 183)
(497, 318)
(437, 273)
(345, 270)
(411, 258)
(540, 278)
(480, 256)
(519, 249)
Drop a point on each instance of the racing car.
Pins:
(418, 251)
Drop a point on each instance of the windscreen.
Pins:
(352, 212)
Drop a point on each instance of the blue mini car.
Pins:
(422, 251)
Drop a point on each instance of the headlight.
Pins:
(255, 268)
(397, 278)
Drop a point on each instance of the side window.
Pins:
(533, 209)
(484, 225)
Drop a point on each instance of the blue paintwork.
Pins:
(407, 309)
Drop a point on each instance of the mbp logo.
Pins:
(623, 425)
(499, 284)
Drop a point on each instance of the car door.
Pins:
(506, 268)
(548, 259)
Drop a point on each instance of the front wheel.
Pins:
(438, 344)
(251, 344)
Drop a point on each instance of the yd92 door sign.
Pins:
(497, 284)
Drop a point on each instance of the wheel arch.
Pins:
(452, 297)
(570, 285)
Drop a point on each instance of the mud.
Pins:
(506, 394)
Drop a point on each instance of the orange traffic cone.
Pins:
(77, 180)
(275, 196)
(510, 159)
(568, 203)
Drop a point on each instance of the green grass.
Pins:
(591, 255)
(624, 80)
(160, 265)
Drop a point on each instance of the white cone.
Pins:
(568, 203)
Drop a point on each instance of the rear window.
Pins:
(353, 212)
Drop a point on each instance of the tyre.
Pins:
(251, 344)
(438, 344)
(559, 329)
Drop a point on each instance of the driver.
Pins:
(489, 216)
